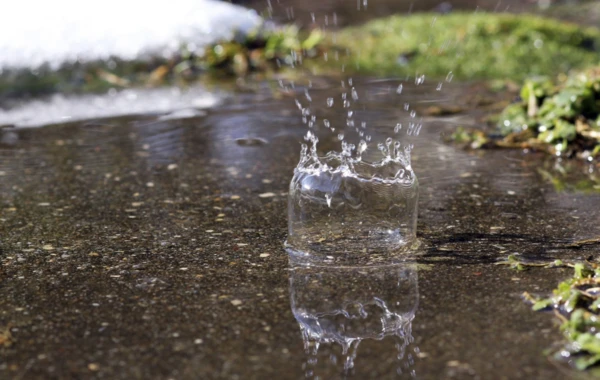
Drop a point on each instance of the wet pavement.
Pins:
(140, 247)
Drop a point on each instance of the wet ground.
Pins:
(139, 247)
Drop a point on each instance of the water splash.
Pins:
(333, 307)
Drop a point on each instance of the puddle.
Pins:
(169, 103)
(163, 235)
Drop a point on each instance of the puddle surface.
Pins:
(129, 239)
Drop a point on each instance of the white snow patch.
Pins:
(38, 32)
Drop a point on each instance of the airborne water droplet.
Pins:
(330, 102)
(362, 146)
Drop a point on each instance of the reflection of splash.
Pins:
(346, 305)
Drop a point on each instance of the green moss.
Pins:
(576, 302)
(480, 45)
(561, 117)
(261, 50)
(564, 115)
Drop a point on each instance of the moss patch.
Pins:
(576, 303)
(561, 117)
(474, 45)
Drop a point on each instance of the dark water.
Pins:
(144, 248)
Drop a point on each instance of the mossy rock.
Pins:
(470, 45)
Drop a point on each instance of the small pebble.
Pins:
(44, 204)
(48, 247)
(136, 204)
(267, 181)
(236, 302)
(150, 184)
(198, 341)
(93, 367)
(266, 195)
(264, 255)
(2, 173)
(235, 197)
(172, 167)
(510, 192)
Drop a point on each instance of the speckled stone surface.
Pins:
(140, 248)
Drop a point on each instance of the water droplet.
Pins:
(398, 127)
(449, 77)
(307, 95)
(362, 146)
(329, 102)
(340, 136)
(328, 199)
(399, 89)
